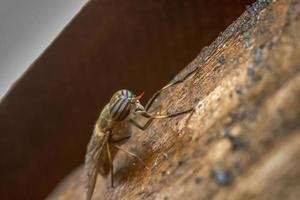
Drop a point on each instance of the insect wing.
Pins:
(94, 150)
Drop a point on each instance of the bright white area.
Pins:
(27, 27)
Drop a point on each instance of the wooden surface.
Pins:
(47, 117)
(243, 139)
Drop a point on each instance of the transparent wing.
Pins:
(93, 153)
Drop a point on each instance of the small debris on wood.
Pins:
(251, 9)
(238, 89)
(182, 161)
(198, 179)
(222, 177)
(165, 156)
(236, 142)
(246, 44)
(257, 55)
(257, 6)
(164, 173)
(238, 167)
(251, 73)
(221, 59)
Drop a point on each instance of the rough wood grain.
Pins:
(47, 116)
(242, 141)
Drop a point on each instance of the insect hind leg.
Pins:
(110, 164)
(131, 154)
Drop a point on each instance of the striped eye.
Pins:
(124, 94)
(120, 105)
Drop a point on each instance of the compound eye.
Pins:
(120, 109)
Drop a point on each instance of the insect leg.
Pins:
(142, 127)
(151, 118)
(173, 114)
(148, 115)
(131, 154)
(120, 140)
(178, 80)
(110, 164)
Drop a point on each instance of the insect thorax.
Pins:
(117, 129)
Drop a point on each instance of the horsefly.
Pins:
(113, 128)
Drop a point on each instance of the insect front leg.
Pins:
(110, 164)
(146, 114)
(142, 127)
(152, 117)
(178, 80)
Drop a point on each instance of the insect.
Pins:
(113, 128)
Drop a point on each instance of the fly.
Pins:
(113, 128)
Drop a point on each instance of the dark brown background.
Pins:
(47, 118)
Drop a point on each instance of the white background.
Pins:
(27, 27)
